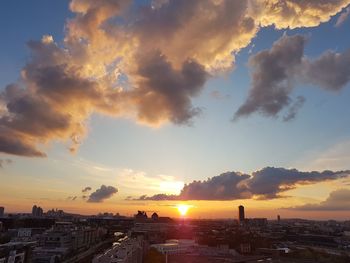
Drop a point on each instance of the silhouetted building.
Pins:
(256, 222)
(37, 211)
(55, 213)
(241, 216)
(154, 216)
(2, 211)
(278, 218)
(34, 210)
(141, 215)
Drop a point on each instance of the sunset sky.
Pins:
(125, 105)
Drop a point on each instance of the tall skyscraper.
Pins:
(34, 210)
(2, 211)
(241, 216)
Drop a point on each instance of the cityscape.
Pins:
(57, 236)
(174, 131)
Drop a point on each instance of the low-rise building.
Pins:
(126, 250)
(63, 239)
(174, 246)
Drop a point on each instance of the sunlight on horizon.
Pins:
(183, 209)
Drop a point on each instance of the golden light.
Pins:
(183, 209)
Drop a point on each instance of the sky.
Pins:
(120, 105)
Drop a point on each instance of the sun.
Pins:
(183, 209)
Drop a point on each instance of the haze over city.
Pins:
(183, 108)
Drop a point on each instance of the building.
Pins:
(34, 210)
(62, 239)
(155, 216)
(2, 211)
(16, 252)
(37, 211)
(25, 234)
(256, 222)
(141, 216)
(126, 250)
(241, 216)
(174, 246)
(156, 232)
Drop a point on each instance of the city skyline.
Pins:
(118, 106)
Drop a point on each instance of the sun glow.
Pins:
(183, 209)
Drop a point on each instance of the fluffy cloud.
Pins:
(148, 67)
(267, 183)
(101, 194)
(276, 72)
(272, 76)
(338, 200)
(295, 13)
(270, 182)
(330, 71)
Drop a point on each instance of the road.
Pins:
(88, 253)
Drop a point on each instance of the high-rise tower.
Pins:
(241, 216)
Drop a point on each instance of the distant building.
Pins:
(256, 222)
(141, 216)
(34, 210)
(37, 211)
(155, 216)
(2, 211)
(55, 213)
(25, 234)
(278, 218)
(241, 216)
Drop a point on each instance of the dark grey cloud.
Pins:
(277, 70)
(267, 183)
(270, 182)
(18, 146)
(101, 194)
(338, 200)
(330, 71)
(166, 92)
(226, 186)
(86, 189)
(273, 76)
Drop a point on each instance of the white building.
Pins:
(174, 246)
